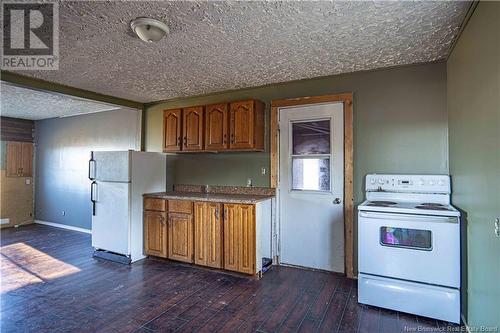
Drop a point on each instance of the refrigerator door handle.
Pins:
(92, 199)
(92, 166)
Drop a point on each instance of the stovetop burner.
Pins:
(382, 203)
(432, 207)
(431, 204)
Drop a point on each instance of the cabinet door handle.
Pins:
(225, 138)
(217, 213)
(185, 141)
(162, 219)
(179, 141)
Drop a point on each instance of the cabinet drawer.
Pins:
(180, 206)
(154, 204)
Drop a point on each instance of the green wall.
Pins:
(400, 125)
(474, 140)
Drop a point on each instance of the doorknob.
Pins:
(337, 201)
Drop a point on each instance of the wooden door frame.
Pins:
(346, 99)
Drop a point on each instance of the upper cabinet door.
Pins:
(27, 160)
(14, 159)
(172, 130)
(242, 125)
(216, 127)
(192, 119)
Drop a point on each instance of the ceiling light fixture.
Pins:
(148, 29)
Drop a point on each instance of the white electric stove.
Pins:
(409, 246)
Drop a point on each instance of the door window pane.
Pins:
(311, 137)
(406, 238)
(311, 174)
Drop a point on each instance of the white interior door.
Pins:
(311, 186)
(110, 225)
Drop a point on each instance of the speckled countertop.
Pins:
(212, 197)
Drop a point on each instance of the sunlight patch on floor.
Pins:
(22, 265)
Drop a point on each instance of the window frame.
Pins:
(291, 156)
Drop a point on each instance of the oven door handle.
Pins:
(406, 217)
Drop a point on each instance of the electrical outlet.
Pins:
(249, 182)
(263, 171)
(63, 213)
(497, 227)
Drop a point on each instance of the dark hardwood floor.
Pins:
(51, 283)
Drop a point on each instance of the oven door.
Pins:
(410, 247)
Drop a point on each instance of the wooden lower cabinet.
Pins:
(155, 233)
(239, 238)
(208, 234)
(180, 237)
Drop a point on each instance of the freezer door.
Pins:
(110, 225)
(111, 166)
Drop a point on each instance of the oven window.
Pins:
(406, 238)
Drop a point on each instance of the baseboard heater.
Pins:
(111, 256)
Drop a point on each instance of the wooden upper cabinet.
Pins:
(155, 233)
(192, 127)
(180, 237)
(238, 126)
(172, 126)
(208, 234)
(13, 159)
(19, 159)
(216, 127)
(246, 125)
(27, 160)
(239, 238)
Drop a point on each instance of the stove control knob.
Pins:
(372, 181)
(421, 182)
(441, 182)
(381, 181)
(431, 182)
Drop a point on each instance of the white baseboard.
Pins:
(64, 226)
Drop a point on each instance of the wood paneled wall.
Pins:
(14, 129)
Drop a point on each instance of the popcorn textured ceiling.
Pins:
(217, 46)
(18, 102)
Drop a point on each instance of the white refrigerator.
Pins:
(118, 181)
